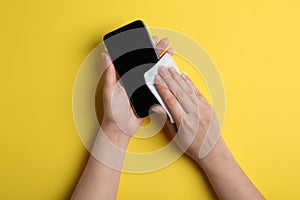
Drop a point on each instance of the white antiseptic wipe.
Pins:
(166, 61)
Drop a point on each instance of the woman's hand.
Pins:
(189, 108)
(119, 121)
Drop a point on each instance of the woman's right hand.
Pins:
(192, 113)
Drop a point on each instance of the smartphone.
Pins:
(133, 53)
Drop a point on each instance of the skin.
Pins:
(97, 180)
(184, 101)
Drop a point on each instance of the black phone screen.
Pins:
(133, 53)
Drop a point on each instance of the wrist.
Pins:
(109, 148)
(216, 157)
(115, 135)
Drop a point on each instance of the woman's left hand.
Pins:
(119, 121)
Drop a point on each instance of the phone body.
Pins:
(133, 53)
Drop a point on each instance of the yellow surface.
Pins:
(255, 45)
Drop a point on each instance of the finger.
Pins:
(110, 74)
(170, 51)
(183, 84)
(172, 130)
(159, 110)
(190, 82)
(162, 45)
(169, 99)
(180, 95)
(154, 39)
(166, 130)
(106, 60)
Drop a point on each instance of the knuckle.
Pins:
(161, 89)
(176, 77)
(191, 95)
(199, 95)
(207, 113)
(171, 100)
(195, 115)
(168, 79)
(179, 93)
(190, 91)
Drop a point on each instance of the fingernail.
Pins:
(163, 71)
(158, 79)
(184, 76)
(154, 38)
(155, 109)
(105, 58)
(170, 51)
(172, 70)
(159, 110)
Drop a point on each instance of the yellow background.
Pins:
(255, 45)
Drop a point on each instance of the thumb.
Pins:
(109, 74)
(106, 59)
(171, 128)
